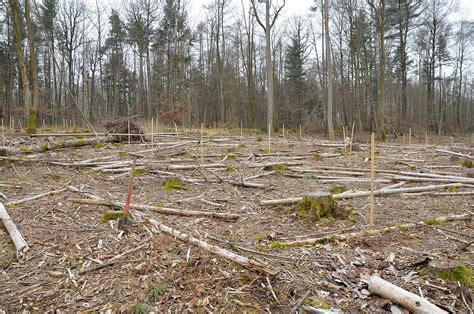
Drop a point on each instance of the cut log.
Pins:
(294, 200)
(20, 244)
(47, 146)
(161, 210)
(345, 236)
(239, 259)
(408, 300)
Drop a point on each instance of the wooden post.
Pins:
(128, 129)
(372, 177)
(409, 137)
(269, 138)
(152, 134)
(21, 126)
(3, 134)
(301, 134)
(352, 139)
(44, 126)
(241, 131)
(176, 130)
(344, 137)
(426, 138)
(202, 144)
(283, 131)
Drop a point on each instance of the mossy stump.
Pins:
(452, 270)
(316, 206)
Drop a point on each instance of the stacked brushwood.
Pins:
(123, 127)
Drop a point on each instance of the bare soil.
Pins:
(74, 264)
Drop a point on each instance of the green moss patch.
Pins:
(112, 215)
(309, 176)
(466, 163)
(320, 304)
(462, 274)
(337, 190)
(450, 189)
(430, 221)
(276, 168)
(99, 145)
(139, 172)
(171, 184)
(230, 169)
(156, 292)
(315, 158)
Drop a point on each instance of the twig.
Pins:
(35, 197)
(300, 303)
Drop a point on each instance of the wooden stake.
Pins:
(3, 134)
(21, 126)
(409, 137)
(426, 138)
(269, 137)
(372, 177)
(152, 133)
(283, 131)
(176, 130)
(44, 126)
(202, 143)
(241, 131)
(344, 136)
(352, 139)
(301, 134)
(129, 136)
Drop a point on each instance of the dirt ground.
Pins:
(78, 263)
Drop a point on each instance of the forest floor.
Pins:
(77, 262)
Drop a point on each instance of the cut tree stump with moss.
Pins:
(318, 205)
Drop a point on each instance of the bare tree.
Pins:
(270, 19)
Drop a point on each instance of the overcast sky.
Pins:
(301, 7)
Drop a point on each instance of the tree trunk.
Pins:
(329, 71)
(268, 57)
(14, 8)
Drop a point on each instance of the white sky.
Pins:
(301, 7)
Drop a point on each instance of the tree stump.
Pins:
(316, 206)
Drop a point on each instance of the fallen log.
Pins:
(47, 146)
(345, 236)
(160, 210)
(20, 244)
(454, 153)
(382, 191)
(34, 197)
(214, 249)
(408, 300)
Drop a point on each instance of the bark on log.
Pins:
(239, 259)
(20, 244)
(408, 300)
(161, 210)
(47, 146)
